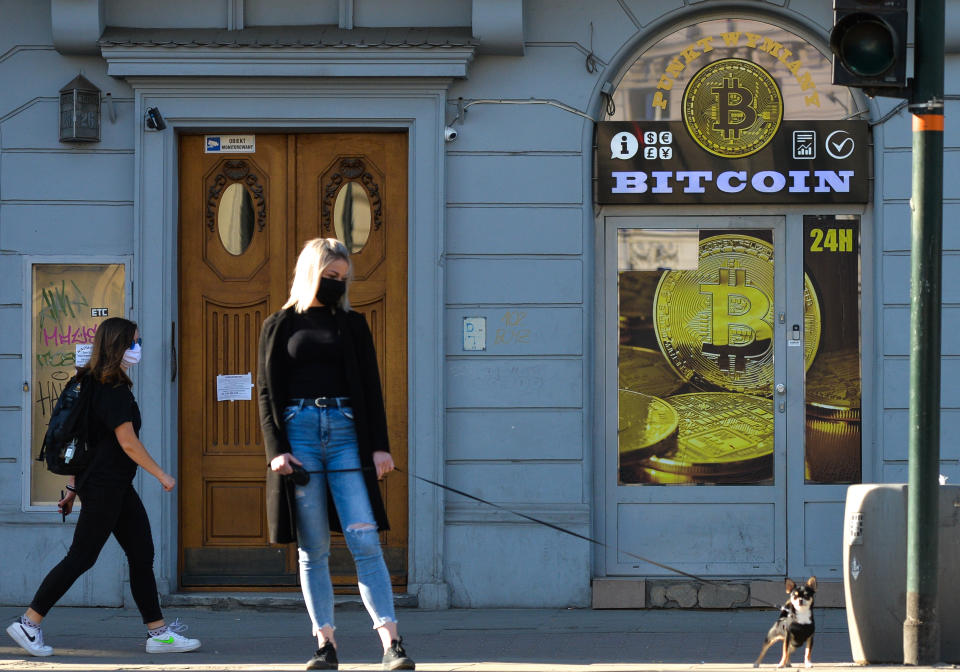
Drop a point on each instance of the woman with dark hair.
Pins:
(321, 409)
(110, 503)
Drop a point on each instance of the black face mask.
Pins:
(330, 291)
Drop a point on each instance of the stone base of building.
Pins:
(628, 593)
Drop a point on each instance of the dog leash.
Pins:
(552, 526)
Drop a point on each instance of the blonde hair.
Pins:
(317, 254)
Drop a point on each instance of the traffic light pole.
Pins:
(921, 629)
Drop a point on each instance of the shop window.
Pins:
(68, 302)
(831, 258)
(695, 360)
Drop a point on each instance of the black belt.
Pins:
(322, 402)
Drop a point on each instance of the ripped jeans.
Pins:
(325, 439)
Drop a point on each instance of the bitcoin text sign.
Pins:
(719, 158)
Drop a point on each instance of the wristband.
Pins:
(71, 488)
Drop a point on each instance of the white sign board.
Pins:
(474, 333)
(229, 144)
(234, 387)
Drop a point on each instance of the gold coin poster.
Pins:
(695, 367)
(696, 356)
(69, 303)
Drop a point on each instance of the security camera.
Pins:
(155, 120)
(450, 133)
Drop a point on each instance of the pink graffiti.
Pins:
(72, 335)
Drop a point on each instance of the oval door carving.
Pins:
(232, 249)
(358, 177)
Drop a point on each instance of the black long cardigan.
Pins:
(366, 396)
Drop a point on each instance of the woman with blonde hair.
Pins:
(325, 430)
(111, 505)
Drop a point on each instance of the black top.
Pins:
(110, 407)
(315, 356)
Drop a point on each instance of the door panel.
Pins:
(328, 164)
(224, 299)
(696, 352)
(243, 221)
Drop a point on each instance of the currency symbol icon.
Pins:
(735, 112)
(737, 319)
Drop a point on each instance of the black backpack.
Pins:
(67, 448)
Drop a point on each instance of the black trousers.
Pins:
(107, 510)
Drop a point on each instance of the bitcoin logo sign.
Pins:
(715, 324)
(732, 108)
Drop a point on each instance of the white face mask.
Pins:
(132, 356)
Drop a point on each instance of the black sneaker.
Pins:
(324, 659)
(396, 658)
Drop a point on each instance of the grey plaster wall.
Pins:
(55, 199)
(519, 253)
(893, 215)
(219, 13)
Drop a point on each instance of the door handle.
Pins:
(781, 388)
(173, 351)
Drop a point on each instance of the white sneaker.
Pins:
(171, 641)
(29, 641)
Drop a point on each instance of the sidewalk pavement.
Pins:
(485, 640)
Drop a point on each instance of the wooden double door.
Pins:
(243, 219)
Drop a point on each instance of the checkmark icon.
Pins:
(839, 144)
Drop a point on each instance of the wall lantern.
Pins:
(80, 111)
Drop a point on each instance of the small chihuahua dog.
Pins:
(795, 623)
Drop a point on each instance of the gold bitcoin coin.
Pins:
(833, 386)
(832, 450)
(833, 436)
(647, 426)
(654, 477)
(722, 434)
(644, 370)
(732, 108)
(715, 324)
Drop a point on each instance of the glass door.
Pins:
(706, 316)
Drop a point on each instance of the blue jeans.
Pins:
(325, 439)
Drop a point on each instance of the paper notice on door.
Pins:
(234, 387)
(82, 354)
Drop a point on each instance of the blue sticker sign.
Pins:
(229, 144)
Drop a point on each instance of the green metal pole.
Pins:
(921, 629)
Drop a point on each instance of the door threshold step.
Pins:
(264, 601)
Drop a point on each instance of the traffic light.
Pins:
(869, 44)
